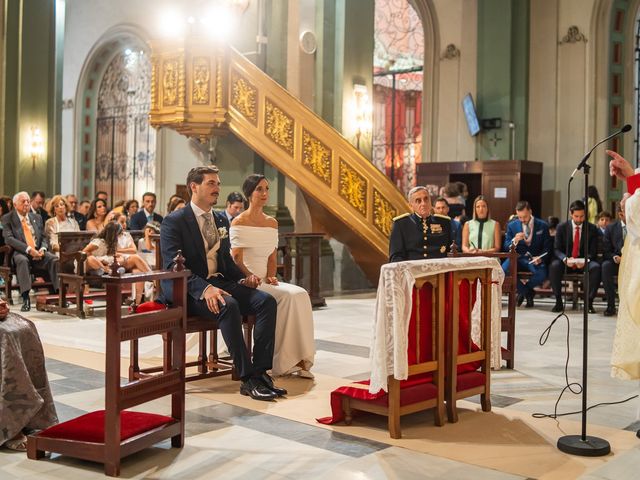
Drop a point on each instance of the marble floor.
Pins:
(229, 436)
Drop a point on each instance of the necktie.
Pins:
(27, 233)
(209, 230)
(150, 218)
(575, 251)
(527, 230)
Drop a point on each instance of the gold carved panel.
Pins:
(353, 187)
(316, 156)
(201, 83)
(244, 97)
(278, 126)
(170, 82)
(383, 213)
(154, 83)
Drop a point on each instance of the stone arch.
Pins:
(110, 44)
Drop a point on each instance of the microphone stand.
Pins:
(585, 445)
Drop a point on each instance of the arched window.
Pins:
(125, 143)
(397, 92)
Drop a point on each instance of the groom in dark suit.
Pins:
(23, 231)
(217, 288)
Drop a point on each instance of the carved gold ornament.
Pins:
(353, 187)
(201, 81)
(278, 126)
(383, 213)
(154, 81)
(244, 97)
(170, 82)
(316, 156)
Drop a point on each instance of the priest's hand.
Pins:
(619, 166)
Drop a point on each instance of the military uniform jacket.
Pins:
(415, 239)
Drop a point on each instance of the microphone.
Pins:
(583, 162)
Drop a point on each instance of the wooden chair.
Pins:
(510, 289)
(298, 246)
(209, 364)
(109, 435)
(461, 385)
(425, 395)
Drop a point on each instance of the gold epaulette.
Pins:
(401, 216)
(441, 216)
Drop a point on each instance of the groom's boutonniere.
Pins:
(222, 232)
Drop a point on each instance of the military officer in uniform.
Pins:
(419, 235)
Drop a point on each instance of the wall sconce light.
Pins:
(36, 145)
(361, 111)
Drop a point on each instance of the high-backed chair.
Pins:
(108, 435)
(424, 389)
(469, 363)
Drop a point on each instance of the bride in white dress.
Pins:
(254, 240)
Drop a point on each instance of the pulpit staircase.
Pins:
(200, 93)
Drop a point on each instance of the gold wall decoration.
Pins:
(170, 82)
(316, 156)
(383, 213)
(182, 82)
(154, 83)
(353, 187)
(201, 85)
(244, 97)
(278, 126)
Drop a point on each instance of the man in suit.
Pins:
(534, 246)
(37, 205)
(146, 214)
(441, 207)
(234, 206)
(569, 245)
(72, 200)
(23, 230)
(217, 288)
(612, 241)
(419, 235)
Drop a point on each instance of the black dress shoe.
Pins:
(557, 308)
(255, 389)
(609, 312)
(26, 305)
(267, 381)
(591, 309)
(529, 302)
(520, 299)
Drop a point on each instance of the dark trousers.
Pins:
(609, 270)
(25, 266)
(243, 301)
(556, 272)
(538, 275)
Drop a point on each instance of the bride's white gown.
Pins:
(294, 321)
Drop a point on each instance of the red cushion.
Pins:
(150, 307)
(469, 380)
(417, 388)
(90, 427)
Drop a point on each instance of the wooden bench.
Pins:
(108, 435)
(510, 289)
(8, 270)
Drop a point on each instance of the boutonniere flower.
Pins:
(222, 232)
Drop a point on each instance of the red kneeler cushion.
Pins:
(150, 307)
(468, 380)
(90, 427)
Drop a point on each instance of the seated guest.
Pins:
(441, 207)
(234, 206)
(102, 251)
(130, 209)
(176, 203)
(481, 234)
(217, 289)
(37, 205)
(569, 246)
(254, 245)
(9, 201)
(453, 196)
(534, 246)
(594, 204)
(146, 245)
(419, 235)
(97, 216)
(126, 245)
(26, 403)
(83, 207)
(613, 241)
(24, 232)
(146, 214)
(72, 203)
(604, 219)
(553, 225)
(59, 221)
